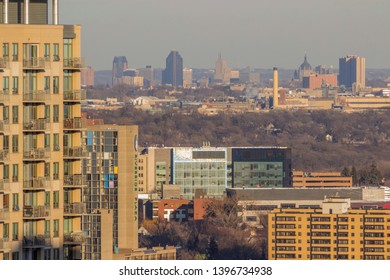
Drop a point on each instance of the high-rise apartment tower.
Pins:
(41, 179)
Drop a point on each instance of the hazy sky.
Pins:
(257, 33)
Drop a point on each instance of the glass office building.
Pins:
(202, 169)
(261, 167)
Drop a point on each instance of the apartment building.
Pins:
(111, 220)
(41, 182)
(334, 232)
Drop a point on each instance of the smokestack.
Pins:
(55, 9)
(26, 11)
(5, 12)
(276, 88)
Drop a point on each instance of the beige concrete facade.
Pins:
(332, 233)
(320, 180)
(40, 142)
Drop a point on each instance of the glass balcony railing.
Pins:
(36, 154)
(74, 63)
(74, 124)
(36, 212)
(75, 152)
(34, 63)
(75, 95)
(36, 125)
(77, 208)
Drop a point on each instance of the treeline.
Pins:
(320, 140)
(219, 236)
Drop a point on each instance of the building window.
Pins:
(6, 256)
(56, 113)
(47, 170)
(47, 254)
(6, 114)
(56, 228)
(47, 142)
(6, 172)
(15, 172)
(56, 141)
(47, 199)
(6, 51)
(15, 202)
(47, 84)
(15, 231)
(56, 199)
(15, 85)
(6, 85)
(56, 84)
(15, 143)
(15, 256)
(56, 170)
(47, 52)
(47, 112)
(15, 52)
(15, 114)
(6, 232)
(47, 228)
(56, 52)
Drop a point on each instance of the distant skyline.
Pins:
(256, 33)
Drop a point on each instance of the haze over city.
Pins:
(249, 32)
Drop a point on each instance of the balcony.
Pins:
(38, 154)
(75, 95)
(36, 125)
(74, 124)
(36, 96)
(36, 212)
(4, 96)
(38, 241)
(4, 155)
(3, 63)
(75, 152)
(4, 214)
(75, 181)
(4, 126)
(75, 238)
(40, 183)
(4, 185)
(74, 63)
(34, 63)
(77, 208)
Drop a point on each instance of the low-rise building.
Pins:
(320, 180)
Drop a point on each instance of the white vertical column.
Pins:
(5, 13)
(26, 11)
(55, 11)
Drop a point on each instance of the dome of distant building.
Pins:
(305, 65)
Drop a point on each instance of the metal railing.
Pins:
(74, 237)
(74, 63)
(36, 124)
(36, 154)
(36, 183)
(4, 185)
(75, 95)
(34, 63)
(3, 63)
(75, 152)
(36, 96)
(75, 180)
(4, 95)
(36, 241)
(75, 123)
(4, 126)
(77, 208)
(36, 211)
(4, 155)
(4, 214)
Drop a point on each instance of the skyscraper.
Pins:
(352, 72)
(173, 72)
(119, 65)
(222, 71)
(41, 184)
